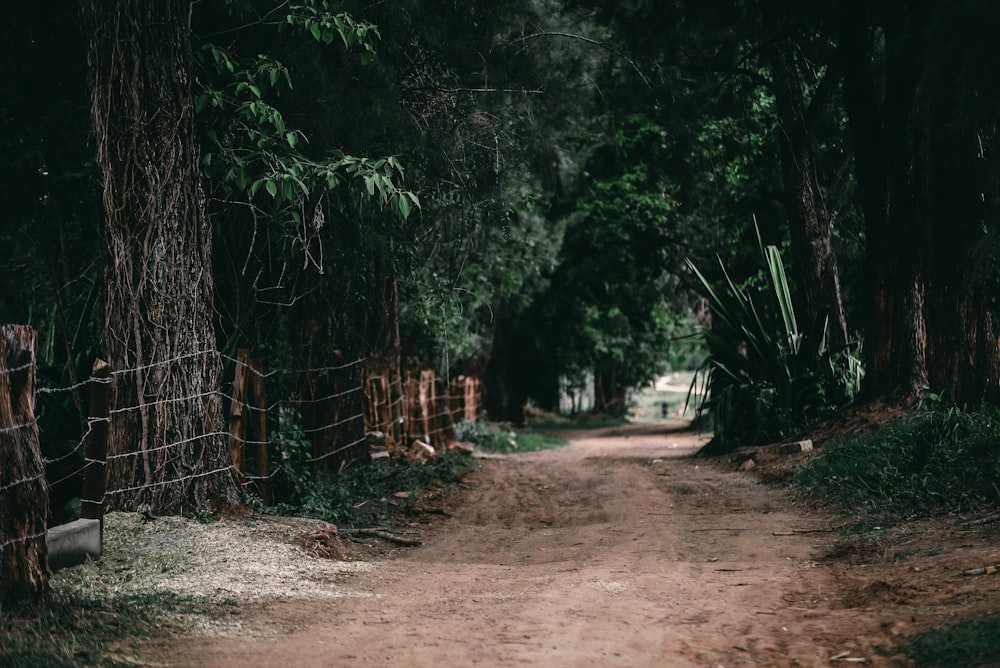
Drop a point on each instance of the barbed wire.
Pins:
(399, 389)
(15, 369)
(21, 539)
(337, 450)
(152, 365)
(274, 372)
(168, 446)
(162, 483)
(22, 481)
(53, 390)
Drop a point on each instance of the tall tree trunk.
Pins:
(895, 342)
(923, 196)
(609, 390)
(382, 343)
(167, 448)
(24, 496)
(955, 172)
(810, 222)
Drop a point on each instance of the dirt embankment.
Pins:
(616, 551)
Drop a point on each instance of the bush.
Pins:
(939, 460)
(498, 440)
(765, 377)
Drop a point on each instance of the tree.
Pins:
(811, 213)
(167, 448)
(923, 109)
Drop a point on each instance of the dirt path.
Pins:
(614, 551)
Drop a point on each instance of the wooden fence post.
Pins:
(95, 478)
(259, 394)
(24, 570)
(237, 412)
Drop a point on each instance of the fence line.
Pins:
(396, 407)
(403, 406)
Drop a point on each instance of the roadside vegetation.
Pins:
(75, 629)
(913, 467)
(971, 642)
(496, 439)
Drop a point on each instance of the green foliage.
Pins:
(936, 461)
(608, 307)
(316, 18)
(362, 494)
(970, 642)
(499, 440)
(254, 155)
(73, 629)
(765, 377)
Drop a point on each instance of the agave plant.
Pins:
(764, 376)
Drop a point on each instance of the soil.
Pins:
(617, 550)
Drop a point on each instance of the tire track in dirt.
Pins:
(613, 551)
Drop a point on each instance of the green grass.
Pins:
(936, 461)
(504, 441)
(971, 642)
(72, 629)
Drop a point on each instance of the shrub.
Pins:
(765, 377)
(938, 460)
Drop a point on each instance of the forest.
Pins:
(799, 200)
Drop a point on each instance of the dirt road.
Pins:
(613, 551)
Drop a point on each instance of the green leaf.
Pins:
(271, 187)
(292, 139)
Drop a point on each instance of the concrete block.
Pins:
(71, 544)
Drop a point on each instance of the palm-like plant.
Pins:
(764, 376)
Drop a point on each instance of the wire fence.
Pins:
(324, 417)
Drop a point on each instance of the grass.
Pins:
(971, 642)
(73, 629)
(505, 441)
(937, 461)
(934, 462)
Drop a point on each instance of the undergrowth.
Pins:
(941, 460)
(497, 440)
(367, 494)
(74, 629)
(971, 642)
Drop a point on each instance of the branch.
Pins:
(588, 40)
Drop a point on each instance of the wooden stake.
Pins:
(95, 476)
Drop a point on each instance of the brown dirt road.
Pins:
(614, 551)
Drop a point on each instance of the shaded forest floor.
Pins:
(617, 550)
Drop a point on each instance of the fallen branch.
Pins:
(796, 532)
(986, 570)
(385, 535)
(989, 519)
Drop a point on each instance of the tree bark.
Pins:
(609, 390)
(168, 447)
(810, 222)
(924, 198)
(24, 570)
